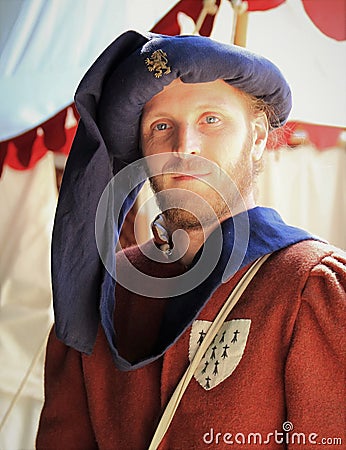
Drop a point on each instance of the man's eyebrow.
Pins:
(154, 114)
(203, 107)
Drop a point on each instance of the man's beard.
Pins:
(184, 209)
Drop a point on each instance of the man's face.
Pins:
(203, 136)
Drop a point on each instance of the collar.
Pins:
(161, 236)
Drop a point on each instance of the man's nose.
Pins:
(187, 141)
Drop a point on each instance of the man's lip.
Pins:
(189, 176)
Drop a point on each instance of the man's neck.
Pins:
(197, 237)
(189, 241)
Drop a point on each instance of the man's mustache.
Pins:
(188, 165)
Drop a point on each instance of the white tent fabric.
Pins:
(313, 63)
(28, 202)
(308, 188)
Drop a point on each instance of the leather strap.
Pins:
(222, 315)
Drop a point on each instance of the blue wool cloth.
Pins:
(110, 99)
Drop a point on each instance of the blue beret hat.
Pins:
(110, 99)
(193, 59)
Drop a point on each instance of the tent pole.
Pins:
(240, 22)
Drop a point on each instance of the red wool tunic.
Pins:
(280, 365)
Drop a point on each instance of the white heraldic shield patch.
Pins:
(223, 354)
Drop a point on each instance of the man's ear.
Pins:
(260, 136)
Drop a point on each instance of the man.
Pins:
(193, 115)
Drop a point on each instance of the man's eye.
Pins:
(211, 119)
(161, 126)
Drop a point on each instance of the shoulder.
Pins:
(325, 282)
(309, 257)
(317, 272)
(309, 270)
(320, 316)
